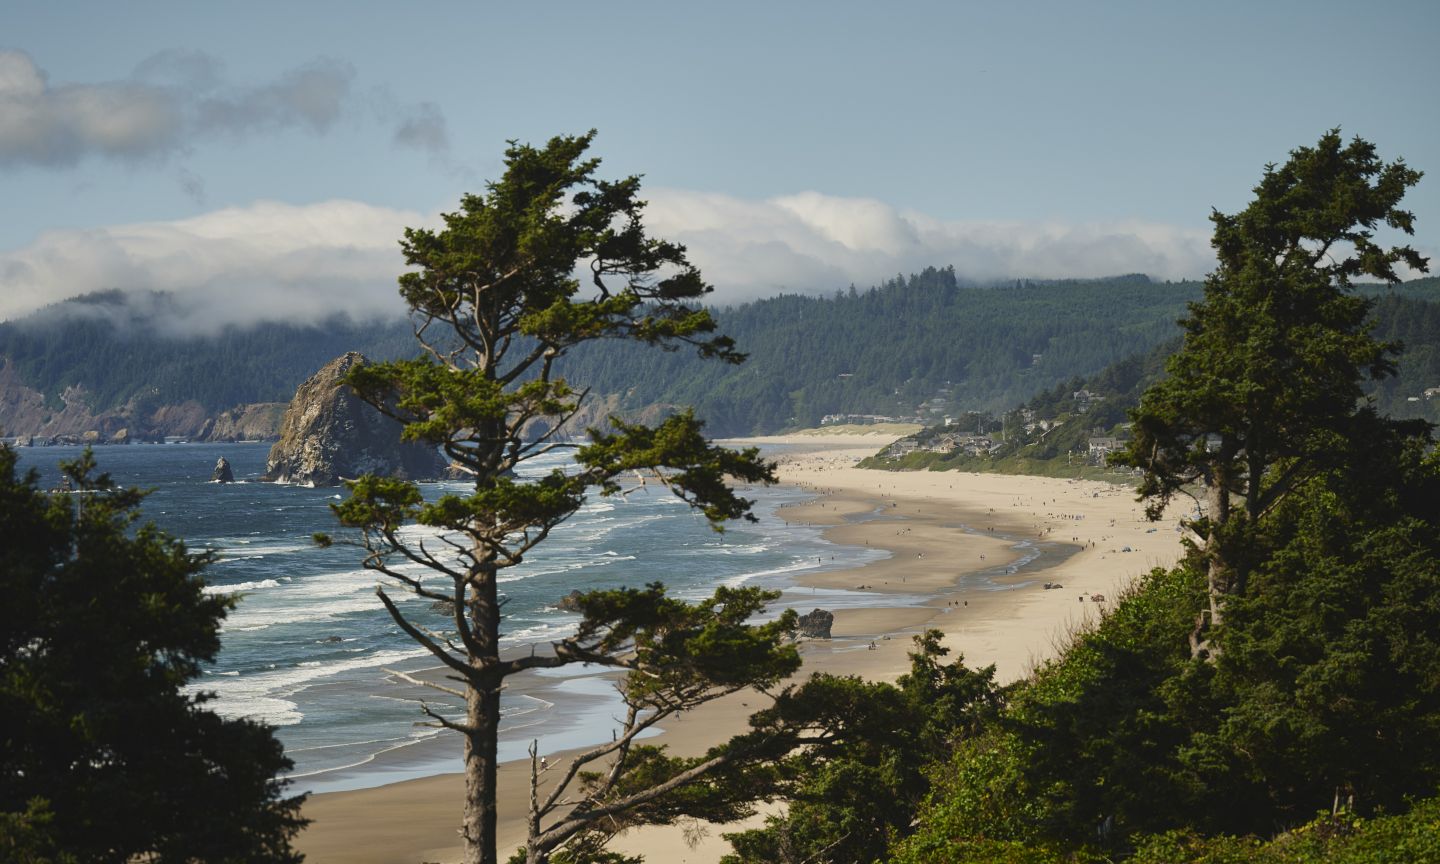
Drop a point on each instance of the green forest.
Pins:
(1049, 433)
(926, 345)
(101, 342)
(925, 338)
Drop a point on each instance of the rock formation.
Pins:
(816, 624)
(223, 474)
(258, 421)
(329, 434)
(570, 602)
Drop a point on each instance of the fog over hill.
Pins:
(923, 346)
(301, 263)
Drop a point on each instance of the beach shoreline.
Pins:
(968, 554)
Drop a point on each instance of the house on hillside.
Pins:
(1105, 446)
(945, 444)
(903, 447)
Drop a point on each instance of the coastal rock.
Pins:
(570, 602)
(223, 474)
(329, 434)
(816, 624)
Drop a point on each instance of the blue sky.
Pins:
(272, 151)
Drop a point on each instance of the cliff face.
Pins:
(259, 421)
(329, 434)
(25, 411)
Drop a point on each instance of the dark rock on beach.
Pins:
(816, 624)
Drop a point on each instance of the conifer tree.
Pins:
(1274, 355)
(103, 756)
(497, 302)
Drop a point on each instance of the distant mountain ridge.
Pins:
(923, 346)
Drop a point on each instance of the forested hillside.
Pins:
(102, 343)
(1053, 431)
(925, 338)
(924, 346)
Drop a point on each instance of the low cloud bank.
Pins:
(810, 243)
(273, 261)
(265, 262)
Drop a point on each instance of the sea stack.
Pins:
(328, 434)
(222, 474)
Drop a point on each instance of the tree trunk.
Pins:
(482, 712)
(1217, 571)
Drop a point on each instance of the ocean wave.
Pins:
(320, 597)
(230, 548)
(243, 586)
(366, 756)
(265, 695)
(797, 566)
(560, 567)
(540, 632)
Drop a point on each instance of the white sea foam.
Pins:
(230, 548)
(265, 696)
(541, 632)
(243, 586)
(320, 597)
(799, 566)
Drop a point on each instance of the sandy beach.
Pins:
(969, 554)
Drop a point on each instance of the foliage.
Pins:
(1407, 315)
(1088, 738)
(1328, 839)
(104, 757)
(857, 778)
(497, 310)
(1327, 692)
(1330, 683)
(1270, 372)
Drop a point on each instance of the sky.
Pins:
(261, 160)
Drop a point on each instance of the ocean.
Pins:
(307, 648)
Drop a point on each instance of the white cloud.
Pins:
(265, 262)
(175, 99)
(813, 243)
(274, 261)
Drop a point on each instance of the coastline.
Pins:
(967, 554)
